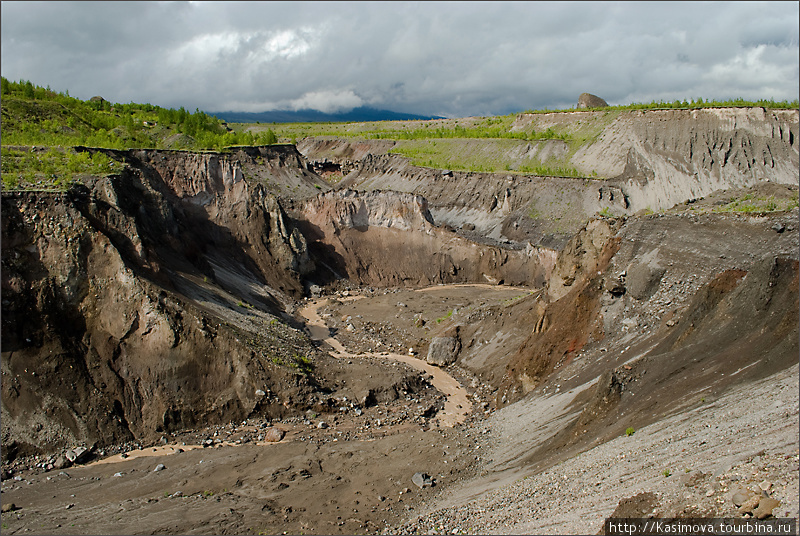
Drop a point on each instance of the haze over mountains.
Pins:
(362, 113)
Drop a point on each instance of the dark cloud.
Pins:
(444, 58)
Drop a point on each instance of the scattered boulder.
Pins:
(9, 507)
(587, 100)
(61, 462)
(643, 278)
(615, 286)
(765, 507)
(315, 290)
(422, 480)
(273, 435)
(741, 496)
(159, 467)
(77, 455)
(749, 505)
(444, 349)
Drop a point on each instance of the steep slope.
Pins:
(152, 300)
(669, 296)
(389, 239)
(663, 157)
(629, 161)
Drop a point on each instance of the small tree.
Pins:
(269, 137)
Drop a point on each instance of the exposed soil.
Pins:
(234, 361)
(351, 474)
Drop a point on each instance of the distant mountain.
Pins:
(314, 116)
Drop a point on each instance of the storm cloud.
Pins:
(435, 58)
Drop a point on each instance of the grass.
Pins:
(489, 156)
(691, 104)
(302, 364)
(33, 115)
(606, 213)
(38, 116)
(51, 169)
(516, 298)
(445, 317)
(758, 204)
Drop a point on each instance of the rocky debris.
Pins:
(77, 455)
(644, 276)
(741, 496)
(9, 507)
(756, 503)
(587, 100)
(273, 435)
(444, 348)
(159, 467)
(765, 507)
(734, 302)
(422, 480)
(711, 454)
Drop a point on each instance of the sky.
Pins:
(451, 59)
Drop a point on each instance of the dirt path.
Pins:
(457, 404)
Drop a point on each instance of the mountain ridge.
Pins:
(362, 113)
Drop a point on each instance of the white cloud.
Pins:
(327, 101)
(444, 58)
(207, 47)
(754, 68)
(286, 44)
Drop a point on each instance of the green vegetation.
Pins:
(33, 115)
(606, 213)
(36, 116)
(302, 364)
(445, 317)
(691, 104)
(516, 298)
(630, 431)
(666, 472)
(486, 129)
(758, 204)
(551, 172)
(53, 168)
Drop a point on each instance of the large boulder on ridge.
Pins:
(587, 100)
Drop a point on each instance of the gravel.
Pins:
(690, 461)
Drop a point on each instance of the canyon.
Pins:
(497, 327)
